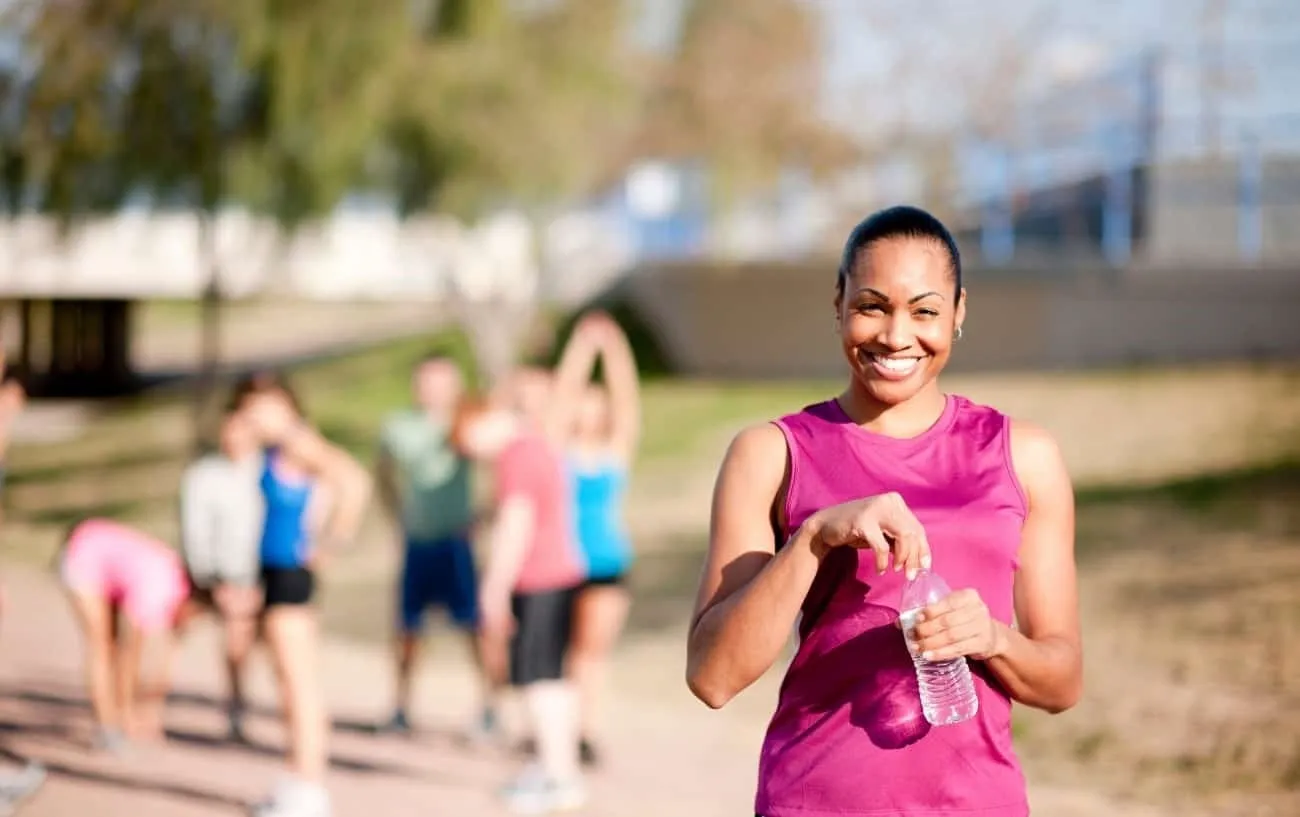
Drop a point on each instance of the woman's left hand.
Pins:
(959, 625)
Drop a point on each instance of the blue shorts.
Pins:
(439, 574)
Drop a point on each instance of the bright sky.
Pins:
(942, 41)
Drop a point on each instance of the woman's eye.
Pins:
(866, 308)
(927, 313)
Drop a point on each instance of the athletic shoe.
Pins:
(485, 730)
(110, 741)
(587, 754)
(533, 792)
(17, 787)
(294, 798)
(397, 725)
(235, 729)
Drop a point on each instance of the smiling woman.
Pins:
(899, 305)
(810, 511)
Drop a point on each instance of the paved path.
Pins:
(668, 755)
(654, 770)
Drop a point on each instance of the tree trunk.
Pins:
(209, 325)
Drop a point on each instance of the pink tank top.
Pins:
(848, 736)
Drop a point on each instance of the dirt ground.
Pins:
(659, 764)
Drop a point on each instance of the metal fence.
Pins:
(1172, 152)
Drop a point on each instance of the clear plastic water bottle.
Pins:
(947, 691)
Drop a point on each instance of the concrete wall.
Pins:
(778, 320)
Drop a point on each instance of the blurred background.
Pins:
(193, 188)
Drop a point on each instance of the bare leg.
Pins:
(408, 648)
(599, 616)
(240, 632)
(293, 633)
(492, 672)
(95, 615)
(553, 711)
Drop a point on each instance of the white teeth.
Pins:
(899, 364)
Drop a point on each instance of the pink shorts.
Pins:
(129, 568)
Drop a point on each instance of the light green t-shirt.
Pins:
(433, 480)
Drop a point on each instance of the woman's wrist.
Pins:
(808, 537)
(1000, 640)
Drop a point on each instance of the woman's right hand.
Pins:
(882, 523)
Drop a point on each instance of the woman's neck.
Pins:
(906, 419)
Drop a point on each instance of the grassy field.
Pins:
(1189, 548)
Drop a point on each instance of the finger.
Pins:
(938, 609)
(959, 648)
(903, 525)
(950, 642)
(908, 547)
(875, 537)
(951, 621)
(929, 625)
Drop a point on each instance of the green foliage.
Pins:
(519, 106)
(286, 106)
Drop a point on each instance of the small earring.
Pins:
(957, 335)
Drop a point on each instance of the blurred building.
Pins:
(1179, 154)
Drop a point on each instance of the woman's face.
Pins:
(897, 317)
(238, 438)
(530, 392)
(269, 415)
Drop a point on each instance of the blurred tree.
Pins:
(502, 102)
(285, 106)
(521, 104)
(195, 104)
(742, 93)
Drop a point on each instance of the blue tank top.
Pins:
(598, 496)
(284, 532)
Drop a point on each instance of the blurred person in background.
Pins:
(527, 391)
(315, 495)
(222, 514)
(599, 427)
(112, 570)
(425, 484)
(13, 399)
(15, 786)
(528, 590)
(808, 512)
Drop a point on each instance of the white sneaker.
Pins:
(533, 792)
(15, 788)
(294, 798)
(485, 730)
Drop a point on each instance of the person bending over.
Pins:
(111, 570)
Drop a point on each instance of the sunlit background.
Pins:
(193, 188)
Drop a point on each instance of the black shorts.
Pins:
(294, 585)
(543, 622)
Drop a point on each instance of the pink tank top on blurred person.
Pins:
(531, 467)
(848, 736)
